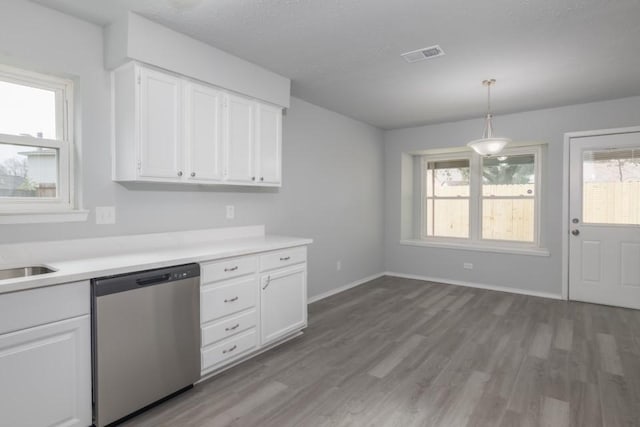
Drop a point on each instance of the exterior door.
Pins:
(239, 141)
(269, 138)
(604, 209)
(160, 108)
(203, 133)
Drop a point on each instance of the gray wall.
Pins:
(332, 165)
(532, 273)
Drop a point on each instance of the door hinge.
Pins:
(139, 165)
(139, 79)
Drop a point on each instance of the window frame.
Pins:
(475, 200)
(63, 90)
(423, 193)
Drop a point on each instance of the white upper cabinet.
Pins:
(240, 139)
(160, 139)
(268, 144)
(203, 132)
(168, 128)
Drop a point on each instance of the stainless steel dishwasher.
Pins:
(146, 339)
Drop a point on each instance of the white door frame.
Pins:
(565, 194)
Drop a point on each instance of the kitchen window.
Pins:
(480, 201)
(36, 143)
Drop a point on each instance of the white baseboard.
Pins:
(476, 285)
(343, 288)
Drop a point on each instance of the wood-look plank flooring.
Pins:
(399, 352)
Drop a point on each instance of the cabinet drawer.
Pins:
(228, 327)
(221, 300)
(24, 309)
(214, 356)
(283, 258)
(227, 269)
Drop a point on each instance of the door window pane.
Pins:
(27, 171)
(508, 219)
(611, 186)
(27, 110)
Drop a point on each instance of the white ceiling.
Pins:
(345, 54)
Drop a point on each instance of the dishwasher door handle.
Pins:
(153, 280)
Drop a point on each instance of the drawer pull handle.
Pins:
(266, 285)
(287, 258)
(231, 300)
(229, 349)
(233, 327)
(231, 269)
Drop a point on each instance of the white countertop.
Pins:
(182, 252)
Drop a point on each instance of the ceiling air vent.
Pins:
(422, 54)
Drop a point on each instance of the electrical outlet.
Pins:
(338, 265)
(231, 212)
(467, 266)
(105, 214)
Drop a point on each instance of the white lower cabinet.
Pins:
(228, 350)
(46, 375)
(283, 302)
(244, 308)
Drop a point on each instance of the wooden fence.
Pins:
(513, 219)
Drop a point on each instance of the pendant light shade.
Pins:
(488, 145)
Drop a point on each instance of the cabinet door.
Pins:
(283, 302)
(239, 141)
(203, 132)
(160, 111)
(46, 375)
(269, 143)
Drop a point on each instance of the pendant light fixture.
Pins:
(488, 145)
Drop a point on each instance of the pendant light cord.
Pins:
(488, 127)
(489, 98)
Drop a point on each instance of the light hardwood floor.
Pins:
(402, 352)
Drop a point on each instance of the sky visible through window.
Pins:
(25, 110)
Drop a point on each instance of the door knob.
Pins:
(179, 173)
(575, 232)
(193, 174)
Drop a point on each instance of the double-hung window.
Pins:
(35, 143)
(491, 201)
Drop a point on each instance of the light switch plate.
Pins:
(231, 212)
(105, 214)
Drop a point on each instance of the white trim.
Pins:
(343, 288)
(64, 144)
(465, 149)
(476, 197)
(44, 217)
(566, 193)
(565, 216)
(515, 250)
(476, 285)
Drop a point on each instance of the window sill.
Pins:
(44, 217)
(480, 248)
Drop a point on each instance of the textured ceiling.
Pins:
(345, 54)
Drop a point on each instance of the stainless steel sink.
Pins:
(12, 273)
